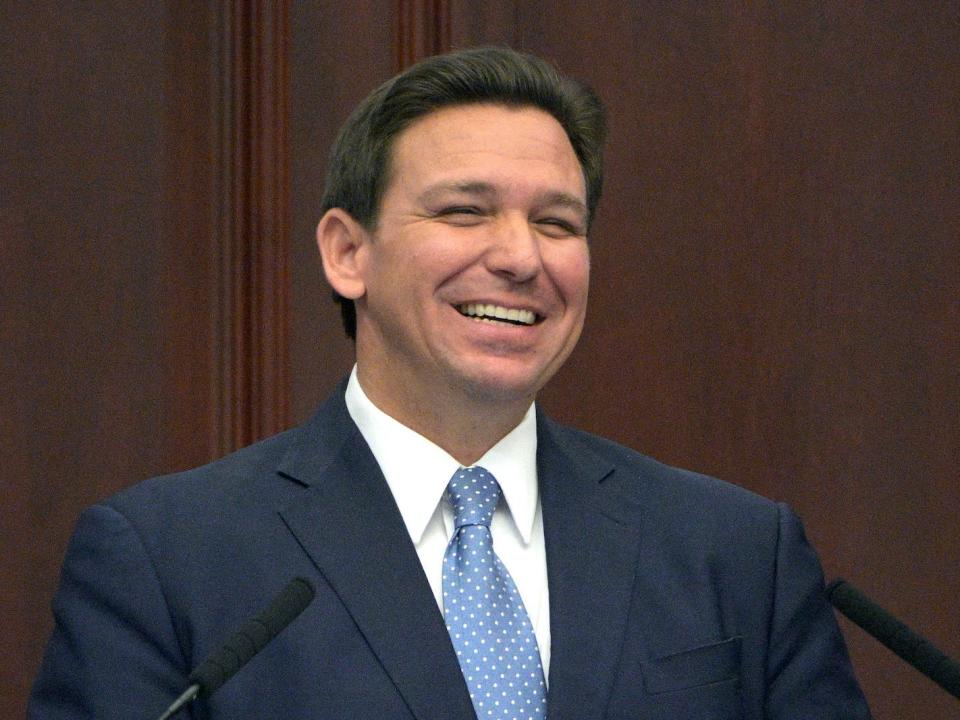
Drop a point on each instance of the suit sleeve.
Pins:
(809, 674)
(113, 652)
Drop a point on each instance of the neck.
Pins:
(465, 426)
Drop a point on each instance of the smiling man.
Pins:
(471, 286)
(471, 558)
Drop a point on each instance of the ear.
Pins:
(342, 242)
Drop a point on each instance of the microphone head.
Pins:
(252, 637)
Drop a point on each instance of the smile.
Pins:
(497, 313)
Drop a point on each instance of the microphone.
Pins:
(907, 644)
(250, 639)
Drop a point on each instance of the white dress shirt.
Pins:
(418, 471)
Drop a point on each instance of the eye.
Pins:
(460, 210)
(461, 214)
(557, 227)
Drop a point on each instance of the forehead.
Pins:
(490, 139)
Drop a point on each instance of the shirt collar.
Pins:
(417, 470)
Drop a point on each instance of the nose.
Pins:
(514, 251)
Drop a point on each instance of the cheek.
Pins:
(569, 266)
(401, 267)
(447, 261)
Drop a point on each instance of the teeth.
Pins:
(497, 312)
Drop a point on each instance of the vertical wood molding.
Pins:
(423, 29)
(254, 204)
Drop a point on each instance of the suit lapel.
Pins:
(591, 565)
(350, 526)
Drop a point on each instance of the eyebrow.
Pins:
(467, 188)
(485, 189)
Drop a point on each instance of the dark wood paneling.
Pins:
(104, 275)
(142, 265)
(776, 283)
(774, 271)
(775, 261)
(341, 51)
(254, 226)
(422, 29)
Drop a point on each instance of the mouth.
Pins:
(498, 314)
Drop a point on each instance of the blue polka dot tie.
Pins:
(488, 624)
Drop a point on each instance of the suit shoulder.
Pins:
(658, 482)
(256, 467)
(233, 474)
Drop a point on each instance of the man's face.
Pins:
(476, 275)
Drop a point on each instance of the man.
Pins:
(458, 204)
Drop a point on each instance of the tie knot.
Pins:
(473, 494)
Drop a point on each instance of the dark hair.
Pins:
(359, 161)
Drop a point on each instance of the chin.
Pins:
(502, 387)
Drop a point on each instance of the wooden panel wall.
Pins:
(106, 339)
(776, 294)
(331, 73)
(143, 284)
(776, 282)
(776, 269)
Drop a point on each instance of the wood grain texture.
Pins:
(423, 28)
(254, 224)
(775, 295)
(331, 73)
(144, 286)
(105, 280)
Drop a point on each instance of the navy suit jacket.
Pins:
(672, 595)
